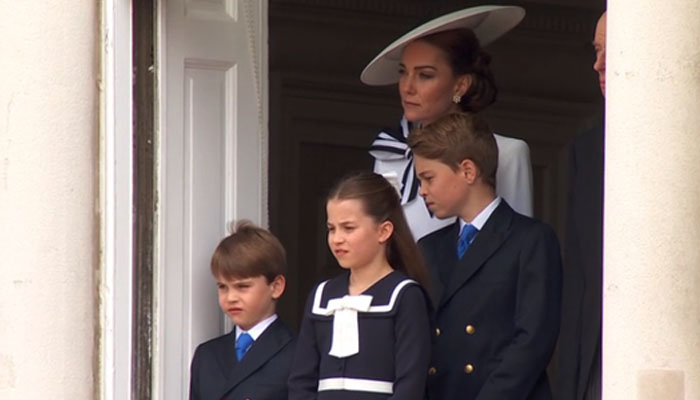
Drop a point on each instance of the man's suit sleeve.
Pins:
(565, 384)
(537, 311)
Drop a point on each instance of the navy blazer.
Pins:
(498, 313)
(260, 375)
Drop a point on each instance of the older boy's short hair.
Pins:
(249, 251)
(456, 137)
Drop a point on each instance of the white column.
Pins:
(48, 183)
(651, 323)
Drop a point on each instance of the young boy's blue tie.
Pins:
(243, 344)
(465, 239)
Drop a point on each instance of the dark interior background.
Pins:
(322, 118)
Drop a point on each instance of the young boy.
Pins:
(496, 274)
(253, 361)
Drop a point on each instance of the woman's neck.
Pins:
(452, 109)
(364, 277)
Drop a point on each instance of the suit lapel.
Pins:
(265, 347)
(489, 239)
(446, 252)
(226, 353)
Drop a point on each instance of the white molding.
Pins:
(116, 199)
(263, 61)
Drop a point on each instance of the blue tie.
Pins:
(465, 239)
(243, 344)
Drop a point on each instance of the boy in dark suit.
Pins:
(496, 274)
(253, 361)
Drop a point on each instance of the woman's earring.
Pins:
(456, 98)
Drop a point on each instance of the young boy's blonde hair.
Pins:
(456, 137)
(249, 251)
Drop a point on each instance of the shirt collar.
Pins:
(258, 329)
(480, 220)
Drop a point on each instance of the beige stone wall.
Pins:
(48, 220)
(651, 343)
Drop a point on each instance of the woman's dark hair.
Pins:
(467, 58)
(380, 201)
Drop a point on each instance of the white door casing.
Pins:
(212, 167)
(116, 200)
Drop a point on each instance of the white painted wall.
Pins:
(48, 217)
(651, 346)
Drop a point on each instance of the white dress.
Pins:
(513, 177)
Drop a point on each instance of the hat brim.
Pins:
(487, 22)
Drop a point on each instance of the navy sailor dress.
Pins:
(392, 343)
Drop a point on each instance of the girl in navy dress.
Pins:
(366, 334)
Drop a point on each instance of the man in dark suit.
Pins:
(496, 273)
(254, 360)
(579, 361)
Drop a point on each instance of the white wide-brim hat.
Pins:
(487, 22)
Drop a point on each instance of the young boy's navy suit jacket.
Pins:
(498, 312)
(261, 374)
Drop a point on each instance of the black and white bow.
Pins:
(391, 145)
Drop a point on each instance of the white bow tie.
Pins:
(345, 340)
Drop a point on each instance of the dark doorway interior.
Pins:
(144, 198)
(322, 119)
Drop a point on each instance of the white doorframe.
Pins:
(180, 286)
(115, 200)
(117, 186)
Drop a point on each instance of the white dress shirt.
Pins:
(258, 329)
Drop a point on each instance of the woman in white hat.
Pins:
(440, 68)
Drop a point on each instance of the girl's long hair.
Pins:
(380, 200)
